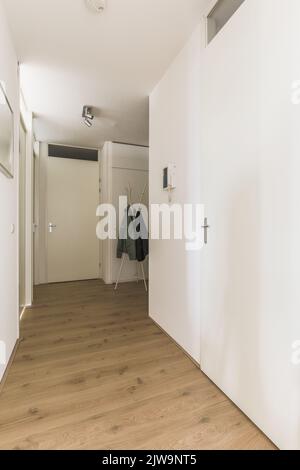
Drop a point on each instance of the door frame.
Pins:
(26, 122)
(22, 208)
(41, 209)
(36, 214)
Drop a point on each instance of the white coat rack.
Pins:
(129, 194)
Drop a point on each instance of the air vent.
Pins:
(73, 153)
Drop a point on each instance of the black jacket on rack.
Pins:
(125, 244)
(137, 250)
(142, 243)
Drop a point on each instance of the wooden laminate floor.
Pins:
(94, 372)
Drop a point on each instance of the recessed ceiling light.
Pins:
(97, 6)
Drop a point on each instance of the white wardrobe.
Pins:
(248, 172)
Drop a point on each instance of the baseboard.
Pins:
(12, 356)
(176, 344)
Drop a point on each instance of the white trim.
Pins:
(26, 121)
(106, 198)
(41, 196)
(100, 155)
(36, 212)
(209, 9)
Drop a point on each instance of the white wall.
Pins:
(122, 165)
(9, 204)
(174, 137)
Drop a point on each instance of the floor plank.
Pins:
(94, 372)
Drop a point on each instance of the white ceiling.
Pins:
(71, 57)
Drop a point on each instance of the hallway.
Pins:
(94, 372)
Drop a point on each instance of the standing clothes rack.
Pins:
(129, 192)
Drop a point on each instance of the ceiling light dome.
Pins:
(97, 6)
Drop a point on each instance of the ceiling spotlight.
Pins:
(87, 122)
(97, 6)
(87, 112)
(88, 116)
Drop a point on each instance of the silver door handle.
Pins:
(51, 227)
(205, 227)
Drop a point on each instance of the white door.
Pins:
(251, 263)
(72, 200)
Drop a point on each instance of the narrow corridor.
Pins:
(92, 371)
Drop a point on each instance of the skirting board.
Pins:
(178, 345)
(13, 354)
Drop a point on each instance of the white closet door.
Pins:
(73, 197)
(250, 266)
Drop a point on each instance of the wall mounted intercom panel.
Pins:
(169, 177)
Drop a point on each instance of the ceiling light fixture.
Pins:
(97, 6)
(87, 122)
(87, 114)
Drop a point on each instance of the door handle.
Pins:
(205, 227)
(51, 227)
